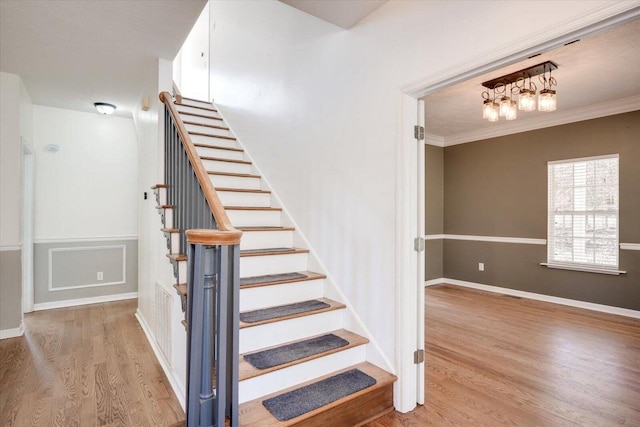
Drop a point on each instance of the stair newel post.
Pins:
(228, 335)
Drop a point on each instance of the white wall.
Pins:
(191, 65)
(87, 189)
(10, 160)
(319, 107)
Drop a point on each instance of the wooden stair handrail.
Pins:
(226, 234)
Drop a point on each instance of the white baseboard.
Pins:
(176, 384)
(12, 333)
(540, 297)
(83, 301)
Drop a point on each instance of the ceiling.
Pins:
(596, 76)
(71, 53)
(344, 14)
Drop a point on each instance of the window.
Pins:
(583, 212)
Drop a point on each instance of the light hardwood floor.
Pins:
(84, 366)
(494, 360)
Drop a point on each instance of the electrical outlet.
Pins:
(100, 275)
(481, 266)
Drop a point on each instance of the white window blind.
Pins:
(583, 227)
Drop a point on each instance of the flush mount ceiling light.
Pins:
(104, 108)
(502, 92)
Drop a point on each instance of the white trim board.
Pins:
(539, 297)
(495, 239)
(10, 248)
(630, 246)
(84, 301)
(86, 239)
(176, 384)
(12, 333)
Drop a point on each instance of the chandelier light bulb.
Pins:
(527, 100)
(547, 100)
(494, 112)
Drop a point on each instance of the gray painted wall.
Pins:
(10, 289)
(434, 210)
(498, 187)
(75, 264)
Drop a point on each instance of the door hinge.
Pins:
(418, 132)
(418, 244)
(418, 356)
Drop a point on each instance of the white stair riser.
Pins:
(187, 109)
(202, 120)
(161, 195)
(221, 154)
(254, 218)
(168, 217)
(197, 102)
(212, 140)
(242, 182)
(284, 293)
(208, 130)
(237, 198)
(182, 272)
(217, 166)
(280, 379)
(266, 239)
(175, 242)
(276, 333)
(272, 264)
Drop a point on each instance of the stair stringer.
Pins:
(352, 321)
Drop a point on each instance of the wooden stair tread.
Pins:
(231, 138)
(177, 257)
(265, 252)
(268, 228)
(217, 147)
(164, 207)
(218, 159)
(254, 414)
(181, 288)
(309, 275)
(204, 116)
(247, 370)
(187, 122)
(242, 175)
(333, 305)
(169, 230)
(196, 106)
(251, 208)
(155, 187)
(242, 190)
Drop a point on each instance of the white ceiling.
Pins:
(344, 14)
(71, 53)
(595, 74)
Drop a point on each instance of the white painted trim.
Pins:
(12, 333)
(84, 301)
(92, 285)
(495, 239)
(176, 384)
(86, 239)
(433, 282)
(420, 258)
(630, 246)
(540, 297)
(432, 139)
(582, 268)
(556, 118)
(11, 248)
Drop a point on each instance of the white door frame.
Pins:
(406, 391)
(28, 169)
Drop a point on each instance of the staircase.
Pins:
(282, 302)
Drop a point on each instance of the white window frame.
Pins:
(580, 266)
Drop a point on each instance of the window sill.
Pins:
(585, 269)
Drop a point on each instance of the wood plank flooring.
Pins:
(84, 366)
(494, 360)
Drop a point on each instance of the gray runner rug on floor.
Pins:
(298, 350)
(305, 399)
(270, 278)
(281, 311)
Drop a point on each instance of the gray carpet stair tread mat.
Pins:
(299, 350)
(271, 278)
(305, 399)
(282, 311)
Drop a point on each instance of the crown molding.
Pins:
(556, 118)
(432, 139)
